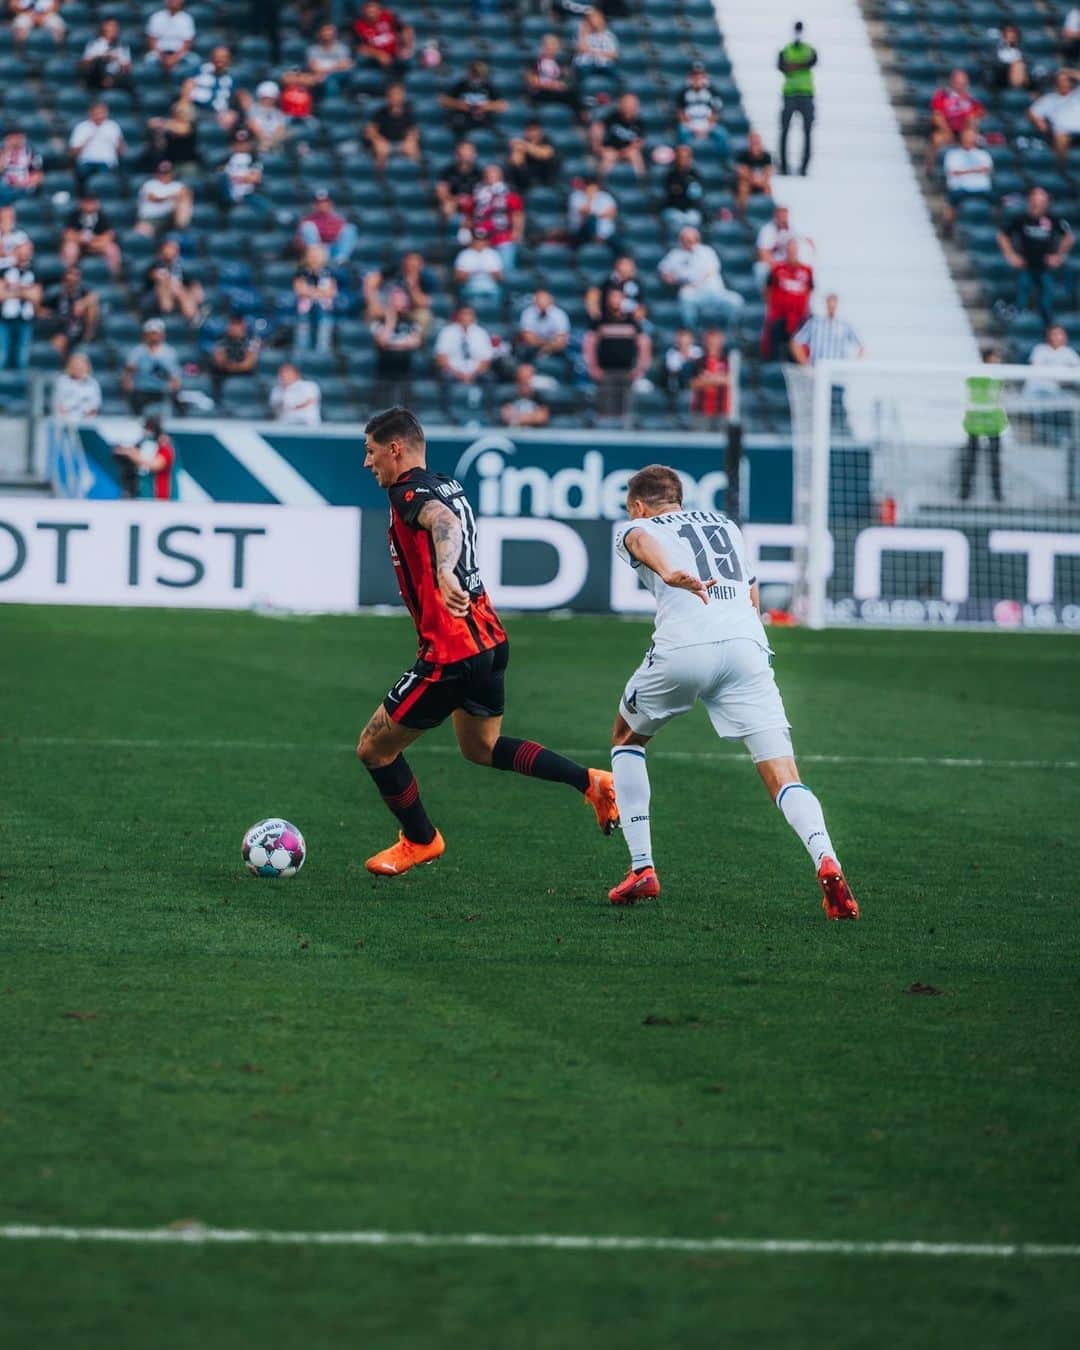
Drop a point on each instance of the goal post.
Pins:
(928, 495)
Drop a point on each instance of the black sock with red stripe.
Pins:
(536, 761)
(401, 793)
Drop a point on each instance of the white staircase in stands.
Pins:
(861, 204)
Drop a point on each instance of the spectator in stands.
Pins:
(170, 37)
(264, 118)
(241, 175)
(413, 279)
(596, 52)
(694, 269)
(106, 60)
(20, 299)
(74, 309)
(297, 103)
(315, 290)
(295, 401)
(148, 469)
(456, 185)
(473, 101)
(329, 62)
(174, 138)
(684, 193)
(787, 303)
(623, 281)
(397, 337)
(1010, 68)
(151, 374)
(592, 214)
(710, 383)
(1070, 37)
(499, 210)
(76, 394)
(21, 169)
(383, 40)
(29, 16)
(753, 172)
(617, 353)
(213, 89)
(826, 337)
(952, 107)
(393, 130)
(772, 241)
(543, 328)
(164, 203)
(620, 137)
(11, 235)
(463, 356)
(549, 79)
(527, 407)
(96, 144)
(88, 232)
(796, 63)
(533, 160)
(679, 362)
(1037, 244)
(323, 225)
(167, 288)
(478, 269)
(698, 111)
(1057, 114)
(235, 353)
(1054, 351)
(969, 174)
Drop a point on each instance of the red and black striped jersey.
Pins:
(444, 638)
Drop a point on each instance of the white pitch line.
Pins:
(695, 756)
(197, 1235)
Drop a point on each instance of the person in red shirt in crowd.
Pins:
(149, 468)
(710, 384)
(498, 209)
(952, 108)
(296, 100)
(382, 38)
(787, 302)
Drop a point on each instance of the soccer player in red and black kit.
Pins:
(463, 654)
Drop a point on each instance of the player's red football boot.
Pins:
(838, 902)
(403, 855)
(601, 797)
(643, 885)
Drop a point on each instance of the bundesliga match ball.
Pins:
(274, 848)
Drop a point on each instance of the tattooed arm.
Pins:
(446, 534)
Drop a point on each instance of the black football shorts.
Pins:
(425, 696)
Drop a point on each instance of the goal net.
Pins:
(928, 495)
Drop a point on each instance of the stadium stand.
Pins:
(242, 248)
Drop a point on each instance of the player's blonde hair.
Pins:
(654, 485)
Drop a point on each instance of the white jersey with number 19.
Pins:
(707, 545)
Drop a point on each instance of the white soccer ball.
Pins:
(273, 848)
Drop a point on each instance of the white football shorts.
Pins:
(733, 679)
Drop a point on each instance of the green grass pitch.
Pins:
(486, 1045)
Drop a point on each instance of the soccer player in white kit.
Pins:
(708, 645)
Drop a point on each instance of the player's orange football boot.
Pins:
(403, 855)
(601, 797)
(643, 885)
(838, 902)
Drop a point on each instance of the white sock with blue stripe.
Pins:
(632, 792)
(803, 813)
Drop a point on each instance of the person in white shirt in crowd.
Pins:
(543, 328)
(527, 407)
(694, 269)
(96, 143)
(76, 394)
(329, 61)
(969, 173)
(772, 242)
(295, 401)
(1054, 351)
(463, 355)
(21, 167)
(164, 203)
(826, 337)
(264, 118)
(241, 175)
(1057, 114)
(106, 60)
(478, 268)
(20, 299)
(31, 15)
(170, 36)
(698, 111)
(213, 88)
(592, 213)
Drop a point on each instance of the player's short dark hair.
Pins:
(396, 424)
(654, 485)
